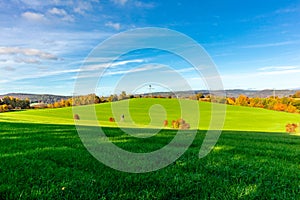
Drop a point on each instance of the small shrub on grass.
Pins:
(180, 124)
(111, 119)
(166, 123)
(76, 117)
(291, 128)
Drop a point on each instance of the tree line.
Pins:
(289, 104)
(8, 103)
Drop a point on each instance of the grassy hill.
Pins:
(42, 156)
(46, 161)
(151, 113)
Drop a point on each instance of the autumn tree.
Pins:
(122, 96)
(291, 109)
(256, 102)
(57, 105)
(112, 98)
(3, 108)
(269, 102)
(230, 100)
(242, 100)
(69, 102)
(97, 100)
(13, 102)
(279, 106)
(296, 95)
(62, 103)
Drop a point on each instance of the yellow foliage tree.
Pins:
(230, 101)
(242, 100)
(291, 109)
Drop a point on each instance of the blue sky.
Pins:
(43, 44)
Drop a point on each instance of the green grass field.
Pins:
(237, 117)
(42, 156)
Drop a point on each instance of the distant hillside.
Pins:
(49, 98)
(232, 93)
(260, 93)
(45, 98)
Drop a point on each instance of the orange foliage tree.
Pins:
(242, 100)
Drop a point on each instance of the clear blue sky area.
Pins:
(43, 44)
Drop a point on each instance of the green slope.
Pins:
(152, 112)
(46, 161)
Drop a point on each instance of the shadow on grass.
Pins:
(42, 161)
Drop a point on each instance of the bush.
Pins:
(291, 128)
(180, 124)
(111, 119)
(76, 117)
(166, 123)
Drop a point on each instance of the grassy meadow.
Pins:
(237, 117)
(42, 156)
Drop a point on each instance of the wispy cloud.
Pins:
(286, 10)
(277, 68)
(61, 13)
(9, 68)
(32, 16)
(94, 67)
(116, 26)
(188, 69)
(275, 44)
(272, 70)
(27, 52)
(57, 11)
(143, 68)
(114, 68)
(33, 3)
(124, 62)
(82, 7)
(141, 4)
(135, 3)
(34, 75)
(27, 60)
(119, 2)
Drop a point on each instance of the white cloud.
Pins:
(147, 67)
(27, 60)
(115, 26)
(124, 62)
(275, 44)
(57, 11)
(273, 70)
(277, 68)
(82, 7)
(279, 77)
(27, 52)
(34, 75)
(32, 16)
(95, 67)
(61, 13)
(281, 72)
